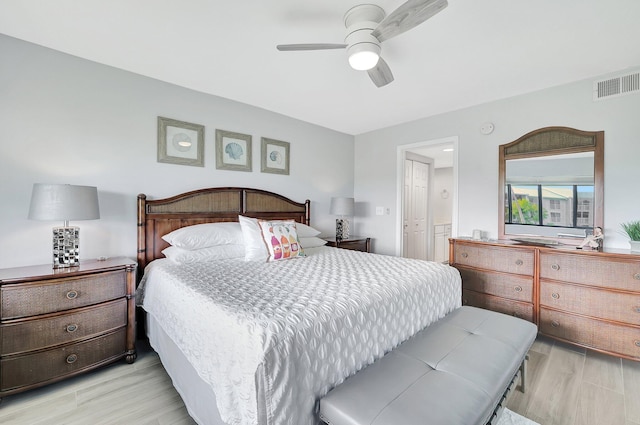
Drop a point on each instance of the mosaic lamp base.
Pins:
(66, 241)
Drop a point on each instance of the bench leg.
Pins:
(523, 374)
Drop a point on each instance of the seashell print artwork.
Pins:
(275, 157)
(234, 150)
(182, 142)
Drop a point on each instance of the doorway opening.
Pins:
(439, 202)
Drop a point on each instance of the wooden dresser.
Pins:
(496, 277)
(588, 298)
(56, 323)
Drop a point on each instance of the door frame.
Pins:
(400, 157)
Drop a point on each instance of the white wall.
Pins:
(570, 105)
(68, 120)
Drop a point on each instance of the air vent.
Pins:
(618, 86)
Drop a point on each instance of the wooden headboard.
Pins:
(160, 216)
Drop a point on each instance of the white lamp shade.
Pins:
(64, 202)
(342, 206)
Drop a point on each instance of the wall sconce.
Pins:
(342, 207)
(64, 202)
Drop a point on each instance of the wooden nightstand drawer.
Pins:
(34, 298)
(34, 334)
(37, 368)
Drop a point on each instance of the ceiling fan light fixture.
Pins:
(363, 56)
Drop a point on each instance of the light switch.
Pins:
(379, 210)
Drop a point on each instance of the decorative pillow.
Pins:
(281, 239)
(186, 256)
(311, 242)
(305, 231)
(206, 235)
(254, 247)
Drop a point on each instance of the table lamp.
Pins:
(64, 202)
(342, 207)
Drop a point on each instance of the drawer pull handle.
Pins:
(636, 276)
(72, 328)
(518, 288)
(555, 267)
(555, 296)
(636, 309)
(555, 323)
(464, 255)
(637, 343)
(72, 295)
(519, 262)
(71, 358)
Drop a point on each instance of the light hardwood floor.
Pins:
(567, 386)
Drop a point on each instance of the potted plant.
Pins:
(632, 229)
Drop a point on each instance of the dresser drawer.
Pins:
(27, 335)
(502, 259)
(590, 270)
(597, 303)
(34, 298)
(502, 305)
(21, 371)
(593, 333)
(515, 287)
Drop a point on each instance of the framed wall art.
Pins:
(233, 151)
(180, 142)
(275, 156)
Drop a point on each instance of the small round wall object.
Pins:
(487, 128)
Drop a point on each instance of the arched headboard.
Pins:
(160, 216)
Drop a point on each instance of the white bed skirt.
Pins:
(196, 394)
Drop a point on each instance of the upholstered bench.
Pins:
(456, 371)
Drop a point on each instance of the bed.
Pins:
(260, 342)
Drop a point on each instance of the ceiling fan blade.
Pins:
(408, 15)
(311, 46)
(381, 74)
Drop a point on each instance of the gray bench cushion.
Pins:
(452, 372)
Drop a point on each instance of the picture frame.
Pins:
(275, 156)
(233, 151)
(180, 142)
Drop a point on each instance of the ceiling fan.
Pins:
(367, 27)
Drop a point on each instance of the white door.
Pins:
(416, 198)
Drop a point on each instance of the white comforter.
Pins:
(273, 338)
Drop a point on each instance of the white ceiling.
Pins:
(472, 52)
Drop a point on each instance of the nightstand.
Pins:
(356, 243)
(57, 323)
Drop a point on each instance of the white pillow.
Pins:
(305, 231)
(186, 256)
(206, 235)
(281, 239)
(254, 246)
(311, 242)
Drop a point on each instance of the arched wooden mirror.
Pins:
(551, 185)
